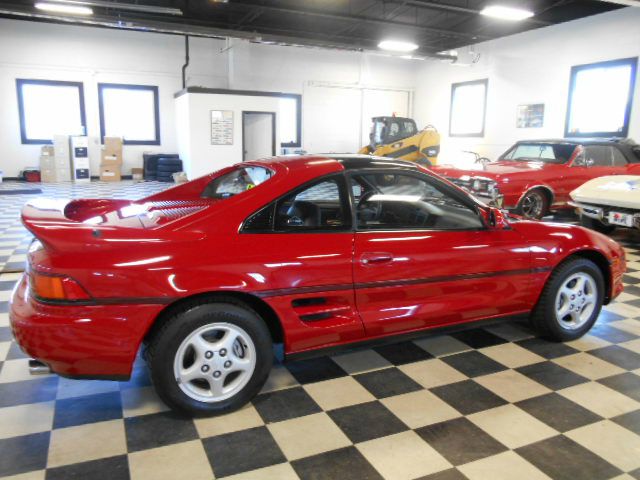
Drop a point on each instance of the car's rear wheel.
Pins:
(596, 225)
(571, 300)
(534, 204)
(210, 358)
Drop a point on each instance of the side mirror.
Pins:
(496, 219)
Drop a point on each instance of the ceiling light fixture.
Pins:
(506, 13)
(397, 46)
(58, 8)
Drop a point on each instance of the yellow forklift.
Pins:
(398, 137)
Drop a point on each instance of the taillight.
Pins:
(58, 287)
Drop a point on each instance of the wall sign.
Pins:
(221, 127)
(530, 116)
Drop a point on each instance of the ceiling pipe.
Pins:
(186, 62)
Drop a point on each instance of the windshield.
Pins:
(237, 181)
(540, 152)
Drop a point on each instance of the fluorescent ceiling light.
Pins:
(506, 13)
(397, 46)
(58, 8)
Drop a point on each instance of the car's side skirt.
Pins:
(391, 339)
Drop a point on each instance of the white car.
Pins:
(605, 203)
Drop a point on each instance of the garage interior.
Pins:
(124, 99)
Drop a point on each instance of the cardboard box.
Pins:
(54, 175)
(47, 162)
(61, 146)
(110, 173)
(112, 145)
(137, 173)
(110, 159)
(47, 151)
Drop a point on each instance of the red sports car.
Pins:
(312, 252)
(536, 176)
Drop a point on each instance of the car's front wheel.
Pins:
(211, 358)
(571, 300)
(596, 225)
(534, 204)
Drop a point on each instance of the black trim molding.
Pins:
(397, 283)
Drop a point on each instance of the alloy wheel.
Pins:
(576, 300)
(532, 205)
(214, 362)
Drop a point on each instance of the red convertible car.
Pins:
(534, 177)
(312, 252)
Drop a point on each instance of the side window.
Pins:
(320, 206)
(597, 156)
(619, 159)
(409, 128)
(391, 201)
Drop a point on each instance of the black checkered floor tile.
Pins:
(494, 403)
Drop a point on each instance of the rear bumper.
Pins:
(86, 341)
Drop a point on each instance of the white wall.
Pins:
(532, 67)
(93, 55)
(197, 153)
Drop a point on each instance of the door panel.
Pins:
(436, 278)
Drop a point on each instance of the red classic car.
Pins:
(312, 252)
(536, 176)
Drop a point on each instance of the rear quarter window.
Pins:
(236, 182)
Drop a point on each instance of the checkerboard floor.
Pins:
(495, 403)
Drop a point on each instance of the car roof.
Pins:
(346, 160)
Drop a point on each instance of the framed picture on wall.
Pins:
(530, 116)
(221, 127)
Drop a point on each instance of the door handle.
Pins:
(376, 258)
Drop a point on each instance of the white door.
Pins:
(258, 135)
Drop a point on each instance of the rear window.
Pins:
(237, 181)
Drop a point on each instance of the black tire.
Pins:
(534, 204)
(425, 162)
(169, 162)
(544, 318)
(596, 225)
(170, 169)
(165, 343)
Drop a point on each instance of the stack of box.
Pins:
(111, 160)
(55, 165)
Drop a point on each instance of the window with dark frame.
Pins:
(48, 108)
(468, 108)
(600, 98)
(131, 112)
(290, 120)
